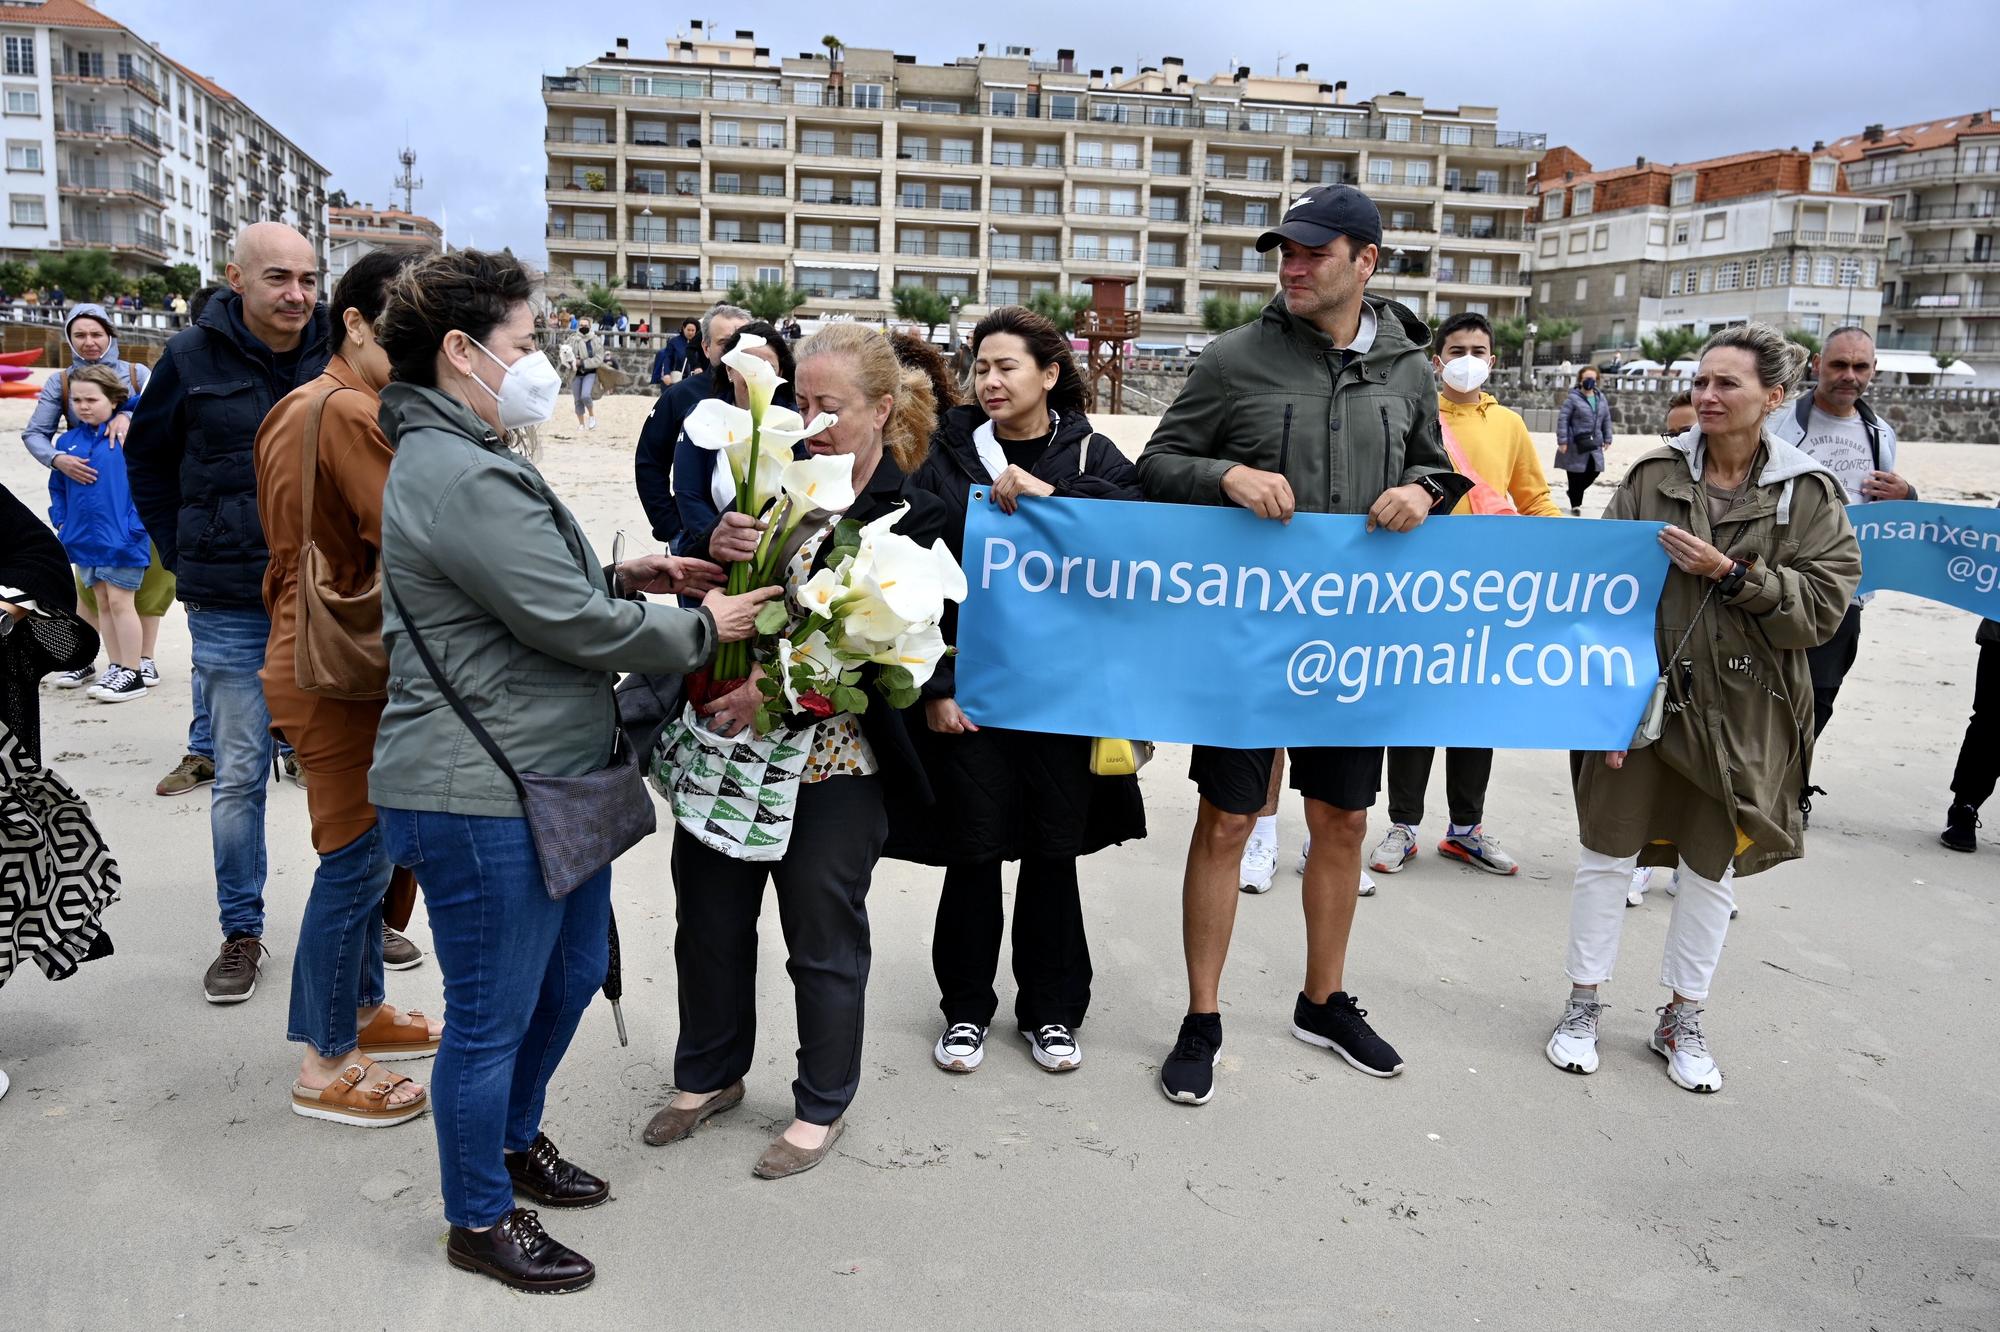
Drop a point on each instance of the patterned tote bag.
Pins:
(56, 873)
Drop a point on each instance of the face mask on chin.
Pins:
(527, 395)
(1463, 374)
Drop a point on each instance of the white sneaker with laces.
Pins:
(1397, 849)
(1642, 879)
(1573, 1047)
(1367, 888)
(1054, 1047)
(1679, 1040)
(1260, 865)
(961, 1049)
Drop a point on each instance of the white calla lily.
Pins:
(715, 424)
(816, 652)
(787, 427)
(951, 575)
(821, 483)
(818, 593)
(867, 624)
(759, 375)
(906, 576)
(917, 652)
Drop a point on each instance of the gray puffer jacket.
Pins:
(511, 601)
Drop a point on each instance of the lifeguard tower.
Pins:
(1107, 326)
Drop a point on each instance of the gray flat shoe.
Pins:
(781, 1158)
(671, 1125)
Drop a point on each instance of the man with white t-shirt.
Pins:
(1836, 427)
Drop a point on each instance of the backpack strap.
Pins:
(309, 460)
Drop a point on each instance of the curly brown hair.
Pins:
(916, 354)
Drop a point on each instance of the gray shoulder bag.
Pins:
(578, 824)
(1655, 719)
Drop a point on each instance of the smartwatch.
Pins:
(1732, 582)
(1431, 487)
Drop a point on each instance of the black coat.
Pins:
(1001, 794)
(34, 568)
(191, 451)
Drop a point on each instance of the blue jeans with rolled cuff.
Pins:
(337, 966)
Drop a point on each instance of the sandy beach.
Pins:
(1846, 1177)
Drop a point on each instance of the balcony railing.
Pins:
(1948, 302)
(111, 182)
(768, 144)
(774, 191)
(1516, 189)
(597, 183)
(1043, 207)
(1163, 259)
(654, 138)
(1040, 161)
(110, 237)
(1254, 263)
(1952, 212)
(936, 201)
(953, 156)
(858, 292)
(1301, 175)
(1014, 254)
(643, 281)
(1935, 258)
(652, 185)
(1159, 212)
(1451, 231)
(1468, 278)
(1099, 208)
(573, 134)
(839, 245)
(1099, 162)
(947, 249)
(1235, 217)
(840, 200)
(582, 231)
(1165, 307)
(1878, 174)
(1259, 175)
(724, 235)
(839, 147)
(1851, 238)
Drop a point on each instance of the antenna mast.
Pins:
(408, 182)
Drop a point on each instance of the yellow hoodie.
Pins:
(1495, 442)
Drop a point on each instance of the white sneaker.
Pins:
(1679, 1040)
(76, 679)
(1395, 850)
(1573, 1047)
(961, 1049)
(3, 1082)
(1642, 879)
(149, 674)
(1367, 888)
(1260, 865)
(1054, 1047)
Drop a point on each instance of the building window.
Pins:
(1869, 275)
(1825, 174)
(1545, 294)
(24, 157)
(1771, 278)
(955, 198)
(1582, 288)
(1750, 273)
(1656, 233)
(1618, 285)
(1551, 245)
(23, 102)
(1850, 272)
(770, 275)
(1681, 232)
(867, 96)
(1683, 189)
(1713, 226)
(770, 233)
(1727, 277)
(1417, 172)
(1004, 291)
(1584, 196)
(809, 94)
(1552, 204)
(1399, 130)
(1062, 106)
(21, 55)
(1381, 170)
(1674, 283)
(1707, 279)
(914, 196)
(1600, 239)
(1005, 104)
(1579, 241)
(1688, 283)
(1812, 323)
(1823, 271)
(1617, 332)
(28, 210)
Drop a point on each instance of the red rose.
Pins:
(819, 705)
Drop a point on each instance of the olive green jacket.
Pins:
(513, 604)
(1274, 396)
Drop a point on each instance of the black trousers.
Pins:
(1580, 482)
(1979, 755)
(822, 886)
(1051, 954)
(1466, 773)
(1830, 662)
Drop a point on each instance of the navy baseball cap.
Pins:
(1318, 216)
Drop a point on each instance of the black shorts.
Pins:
(1236, 781)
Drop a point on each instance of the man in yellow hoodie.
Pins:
(1490, 444)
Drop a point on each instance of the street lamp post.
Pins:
(1528, 357)
(652, 314)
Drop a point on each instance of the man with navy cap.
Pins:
(1326, 404)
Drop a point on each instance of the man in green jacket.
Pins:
(1326, 404)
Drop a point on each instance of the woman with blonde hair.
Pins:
(860, 766)
(1764, 566)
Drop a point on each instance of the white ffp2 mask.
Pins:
(1466, 373)
(527, 395)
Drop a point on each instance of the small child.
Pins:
(100, 528)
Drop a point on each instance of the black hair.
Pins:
(1465, 319)
(690, 319)
(1045, 343)
(472, 291)
(364, 287)
(788, 369)
(199, 301)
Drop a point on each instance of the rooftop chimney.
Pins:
(982, 48)
(624, 45)
(745, 35)
(1066, 61)
(1174, 61)
(1301, 68)
(1641, 164)
(763, 53)
(694, 23)
(1340, 93)
(1819, 145)
(1242, 73)
(1978, 118)
(1398, 93)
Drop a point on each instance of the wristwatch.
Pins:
(1732, 582)
(1431, 487)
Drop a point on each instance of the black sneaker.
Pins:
(232, 977)
(1054, 1047)
(120, 684)
(1961, 827)
(1188, 1076)
(1339, 1026)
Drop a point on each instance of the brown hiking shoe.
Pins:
(192, 771)
(232, 977)
(398, 953)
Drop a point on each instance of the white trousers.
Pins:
(1695, 931)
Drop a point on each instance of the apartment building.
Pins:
(357, 231)
(1769, 236)
(1940, 182)
(999, 175)
(113, 146)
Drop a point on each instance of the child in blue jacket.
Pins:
(100, 528)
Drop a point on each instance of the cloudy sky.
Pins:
(1670, 81)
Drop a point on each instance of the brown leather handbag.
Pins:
(338, 652)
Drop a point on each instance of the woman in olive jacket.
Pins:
(1014, 795)
(1764, 566)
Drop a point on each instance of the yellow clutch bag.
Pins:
(1118, 758)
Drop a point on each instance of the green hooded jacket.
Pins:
(1274, 396)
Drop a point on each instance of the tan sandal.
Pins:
(394, 1035)
(360, 1096)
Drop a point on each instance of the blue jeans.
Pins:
(201, 740)
(338, 965)
(228, 653)
(519, 970)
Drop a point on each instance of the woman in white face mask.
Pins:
(487, 570)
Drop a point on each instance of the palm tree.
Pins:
(1060, 310)
(1221, 313)
(1810, 341)
(1669, 344)
(922, 305)
(768, 301)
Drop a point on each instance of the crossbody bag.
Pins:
(338, 650)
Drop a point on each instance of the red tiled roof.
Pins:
(1915, 138)
(1657, 168)
(57, 14)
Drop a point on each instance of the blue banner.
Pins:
(1209, 625)
(1944, 552)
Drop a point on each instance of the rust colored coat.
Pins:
(334, 738)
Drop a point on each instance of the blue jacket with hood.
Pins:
(98, 523)
(51, 413)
